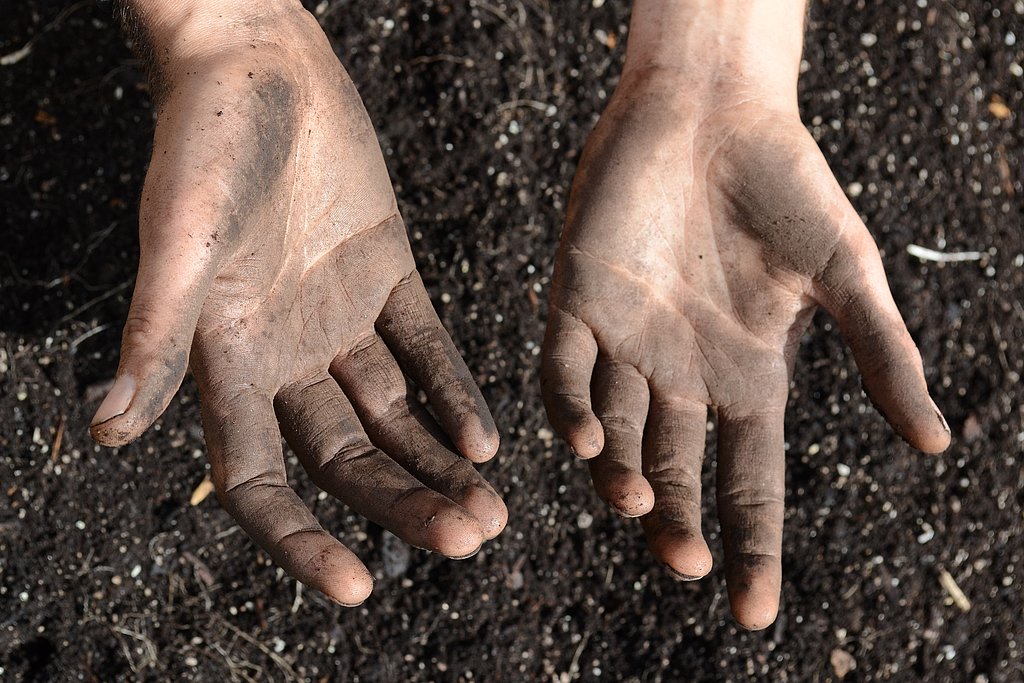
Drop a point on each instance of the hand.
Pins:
(702, 233)
(272, 248)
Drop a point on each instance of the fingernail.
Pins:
(345, 604)
(941, 417)
(472, 554)
(117, 401)
(681, 576)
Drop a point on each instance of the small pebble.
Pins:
(584, 520)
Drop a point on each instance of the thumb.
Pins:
(169, 292)
(854, 289)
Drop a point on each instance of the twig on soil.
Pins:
(574, 665)
(57, 439)
(230, 531)
(73, 347)
(714, 604)
(926, 254)
(282, 664)
(548, 109)
(997, 334)
(12, 58)
(524, 39)
(101, 298)
(236, 669)
(453, 59)
(149, 649)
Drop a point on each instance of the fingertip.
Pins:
(686, 556)
(488, 508)
(117, 400)
(933, 443)
(755, 617)
(110, 426)
(586, 437)
(332, 569)
(938, 436)
(480, 444)
(754, 594)
(460, 538)
(130, 408)
(446, 528)
(921, 424)
(628, 492)
(117, 431)
(352, 588)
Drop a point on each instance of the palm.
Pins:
(697, 246)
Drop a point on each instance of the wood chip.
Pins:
(202, 491)
(998, 108)
(45, 118)
(949, 583)
(58, 438)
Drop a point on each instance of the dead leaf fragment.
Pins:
(202, 491)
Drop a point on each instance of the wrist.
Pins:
(748, 47)
(186, 28)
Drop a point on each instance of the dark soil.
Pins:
(107, 572)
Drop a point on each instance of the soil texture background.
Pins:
(898, 566)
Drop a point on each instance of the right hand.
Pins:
(274, 261)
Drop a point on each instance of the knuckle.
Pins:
(141, 325)
(344, 455)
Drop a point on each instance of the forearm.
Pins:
(708, 42)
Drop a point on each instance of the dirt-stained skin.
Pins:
(275, 263)
(701, 236)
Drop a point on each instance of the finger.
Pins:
(414, 333)
(750, 492)
(854, 290)
(673, 451)
(568, 364)
(249, 475)
(398, 424)
(321, 427)
(621, 398)
(169, 292)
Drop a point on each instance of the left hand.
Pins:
(702, 233)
